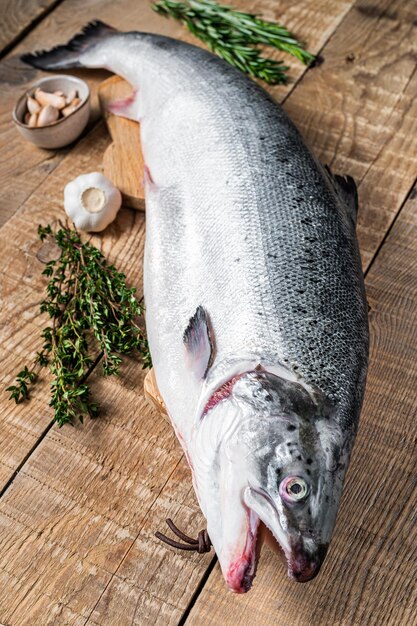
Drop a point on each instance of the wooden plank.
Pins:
(18, 16)
(21, 289)
(88, 493)
(358, 111)
(24, 167)
(123, 159)
(59, 490)
(78, 521)
(46, 180)
(368, 577)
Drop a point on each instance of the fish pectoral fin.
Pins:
(346, 189)
(126, 107)
(198, 342)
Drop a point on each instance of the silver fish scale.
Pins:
(251, 228)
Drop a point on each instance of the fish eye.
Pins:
(293, 489)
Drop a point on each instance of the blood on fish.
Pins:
(147, 175)
(121, 104)
(241, 571)
(222, 393)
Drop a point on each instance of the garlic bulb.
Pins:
(92, 201)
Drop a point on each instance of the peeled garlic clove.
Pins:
(69, 109)
(48, 115)
(33, 120)
(44, 98)
(71, 95)
(33, 105)
(92, 201)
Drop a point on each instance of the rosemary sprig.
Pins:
(92, 312)
(236, 36)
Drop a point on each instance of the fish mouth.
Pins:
(302, 565)
(241, 571)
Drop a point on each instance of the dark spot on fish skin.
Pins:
(289, 443)
(268, 398)
(309, 511)
(299, 458)
(308, 472)
(237, 260)
(291, 427)
(309, 461)
(327, 498)
(260, 313)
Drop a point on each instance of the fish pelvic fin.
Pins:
(198, 342)
(346, 189)
(71, 53)
(126, 107)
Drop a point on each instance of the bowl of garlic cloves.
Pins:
(54, 111)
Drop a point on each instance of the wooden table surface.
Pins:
(79, 505)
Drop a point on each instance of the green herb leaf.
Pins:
(95, 317)
(236, 36)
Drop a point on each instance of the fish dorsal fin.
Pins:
(198, 343)
(346, 189)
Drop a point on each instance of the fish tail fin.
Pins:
(71, 54)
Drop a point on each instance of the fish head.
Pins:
(279, 465)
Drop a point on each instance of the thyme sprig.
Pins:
(236, 36)
(93, 312)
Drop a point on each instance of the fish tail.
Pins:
(71, 54)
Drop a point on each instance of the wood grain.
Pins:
(122, 160)
(76, 539)
(152, 394)
(34, 179)
(24, 167)
(17, 16)
(368, 576)
(21, 289)
(78, 521)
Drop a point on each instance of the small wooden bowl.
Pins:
(65, 130)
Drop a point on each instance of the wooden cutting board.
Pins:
(123, 165)
(123, 159)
